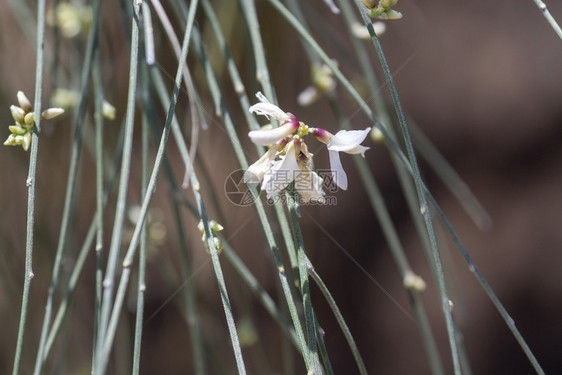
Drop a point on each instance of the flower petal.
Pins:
(268, 109)
(338, 174)
(309, 186)
(270, 136)
(256, 171)
(282, 173)
(348, 141)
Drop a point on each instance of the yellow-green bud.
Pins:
(51, 113)
(25, 104)
(17, 113)
(17, 130)
(29, 119)
(108, 111)
(393, 14)
(369, 3)
(388, 3)
(25, 141)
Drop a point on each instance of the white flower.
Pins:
(348, 141)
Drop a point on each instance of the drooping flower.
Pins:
(288, 160)
(348, 141)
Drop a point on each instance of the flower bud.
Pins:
(413, 282)
(108, 111)
(25, 140)
(392, 14)
(17, 113)
(25, 104)
(17, 130)
(388, 3)
(369, 3)
(51, 113)
(29, 119)
(10, 141)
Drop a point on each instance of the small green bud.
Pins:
(29, 119)
(17, 113)
(214, 227)
(17, 130)
(10, 141)
(376, 135)
(413, 282)
(369, 3)
(392, 14)
(51, 113)
(64, 98)
(19, 140)
(108, 111)
(388, 3)
(25, 104)
(25, 141)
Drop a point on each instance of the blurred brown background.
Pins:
(482, 79)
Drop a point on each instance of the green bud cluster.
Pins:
(25, 121)
(215, 228)
(382, 9)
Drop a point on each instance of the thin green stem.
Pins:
(304, 287)
(424, 209)
(287, 291)
(70, 188)
(487, 288)
(262, 72)
(339, 317)
(551, 21)
(30, 182)
(142, 253)
(117, 232)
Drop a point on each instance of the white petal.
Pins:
(282, 173)
(270, 136)
(256, 171)
(268, 109)
(338, 174)
(348, 140)
(358, 150)
(309, 186)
